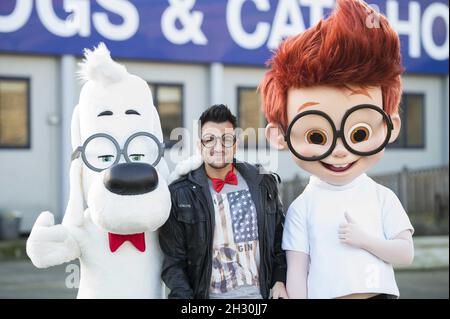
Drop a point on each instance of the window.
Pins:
(250, 116)
(412, 133)
(14, 113)
(168, 100)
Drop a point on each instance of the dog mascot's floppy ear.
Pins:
(157, 130)
(75, 206)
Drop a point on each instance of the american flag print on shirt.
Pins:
(236, 245)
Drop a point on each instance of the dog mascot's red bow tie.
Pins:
(116, 240)
(218, 184)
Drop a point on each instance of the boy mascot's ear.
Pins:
(275, 136)
(75, 206)
(397, 122)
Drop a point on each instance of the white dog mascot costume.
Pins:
(118, 188)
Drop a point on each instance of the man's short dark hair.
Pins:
(218, 113)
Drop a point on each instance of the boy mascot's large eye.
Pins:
(317, 137)
(360, 133)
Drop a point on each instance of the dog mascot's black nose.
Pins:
(131, 179)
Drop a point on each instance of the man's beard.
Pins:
(218, 166)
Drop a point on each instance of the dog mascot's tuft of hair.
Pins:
(118, 188)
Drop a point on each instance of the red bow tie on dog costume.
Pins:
(231, 178)
(116, 240)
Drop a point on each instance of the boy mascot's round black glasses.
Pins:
(365, 130)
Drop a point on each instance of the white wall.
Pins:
(29, 178)
(445, 118)
(436, 136)
(236, 77)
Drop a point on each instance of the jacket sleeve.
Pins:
(279, 266)
(172, 241)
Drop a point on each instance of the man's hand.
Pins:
(352, 234)
(279, 291)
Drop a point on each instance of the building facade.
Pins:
(193, 54)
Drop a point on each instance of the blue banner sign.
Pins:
(241, 32)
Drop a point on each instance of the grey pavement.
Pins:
(20, 279)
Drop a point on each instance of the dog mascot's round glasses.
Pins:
(227, 140)
(365, 130)
(101, 151)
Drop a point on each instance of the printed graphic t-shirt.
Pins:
(235, 266)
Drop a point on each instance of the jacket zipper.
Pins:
(208, 253)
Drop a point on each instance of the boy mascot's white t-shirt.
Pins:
(337, 269)
(112, 233)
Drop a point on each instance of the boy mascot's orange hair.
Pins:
(355, 45)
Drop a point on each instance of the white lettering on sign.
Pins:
(317, 8)
(182, 24)
(191, 23)
(288, 20)
(418, 30)
(78, 21)
(111, 31)
(18, 18)
(433, 12)
(408, 27)
(246, 40)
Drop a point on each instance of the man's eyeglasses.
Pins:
(365, 130)
(101, 151)
(228, 140)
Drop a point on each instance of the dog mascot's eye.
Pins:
(106, 158)
(136, 157)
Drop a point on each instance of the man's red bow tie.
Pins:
(116, 240)
(218, 184)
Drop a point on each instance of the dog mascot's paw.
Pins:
(50, 244)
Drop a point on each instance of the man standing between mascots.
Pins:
(331, 97)
(223, 236)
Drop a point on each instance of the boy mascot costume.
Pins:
(331, 98)
(118, 188)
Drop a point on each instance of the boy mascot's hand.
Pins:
(352, 234)
(50, 244)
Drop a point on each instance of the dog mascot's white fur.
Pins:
(131, 197)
